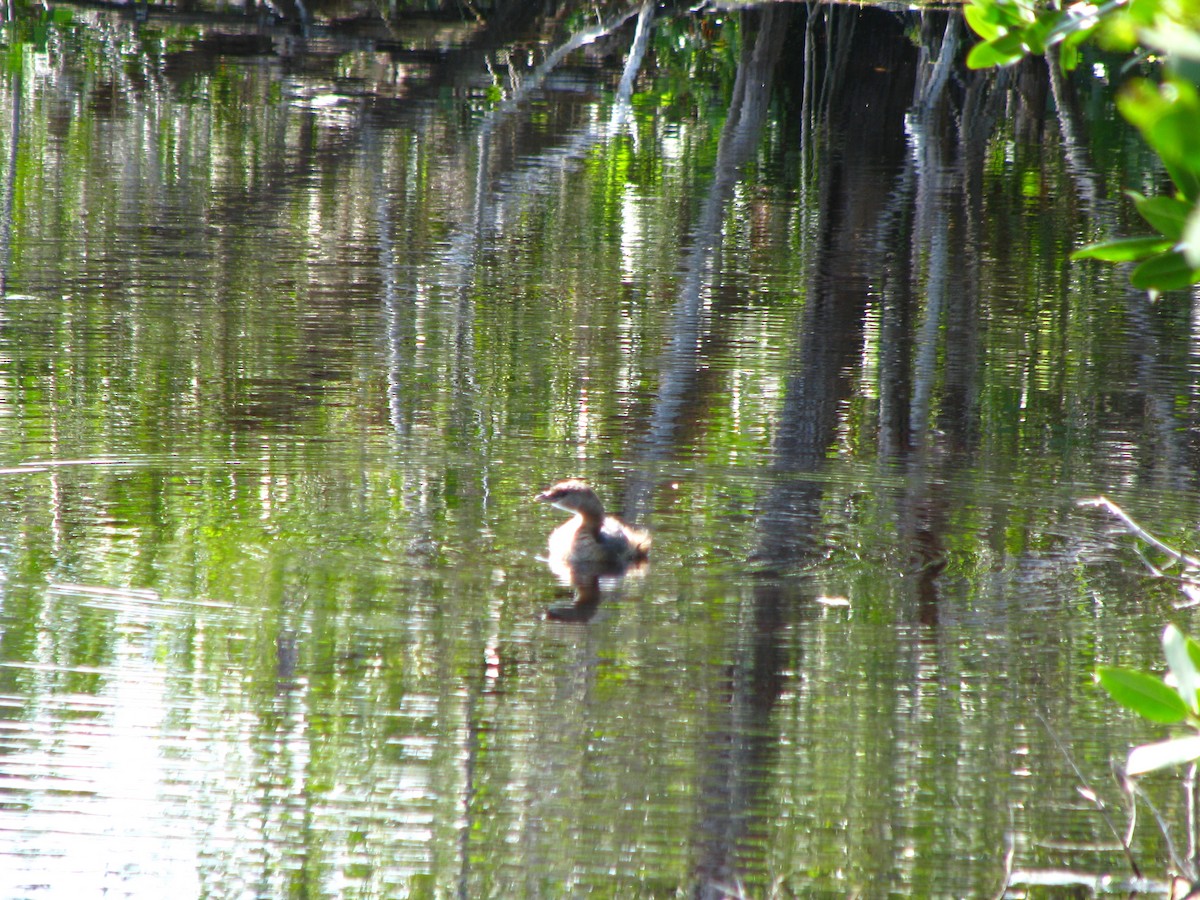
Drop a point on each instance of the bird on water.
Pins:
(591, 538)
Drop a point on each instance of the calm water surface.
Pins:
(291, 337)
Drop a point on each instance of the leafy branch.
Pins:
(1165, 112)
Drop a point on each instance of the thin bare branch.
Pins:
(1093, 796)
(1141, 533)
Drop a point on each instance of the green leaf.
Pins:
(1167, 215)
(1001, 15)
(1165, 272)
(1068, 58)
(1146, 695)
(1002, 51)
(1193, 648)
(1186, 179)
(1068, 53)
(1143, 12)
(1037, 35)
(1179, 661)
(1193, 651)
(1117, 34)
(1151, 757)
(983, 19)
(1123, 249)
(1166, 115)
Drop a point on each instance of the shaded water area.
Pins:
(295, 325)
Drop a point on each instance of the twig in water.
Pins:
(1093, 796)
(1142, 533)
(1184, 866)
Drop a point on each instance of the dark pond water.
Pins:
(294, 328)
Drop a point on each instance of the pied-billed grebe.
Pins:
(591, 538)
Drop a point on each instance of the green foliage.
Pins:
(1013, 29)
(1169, 702)
(1167, 215)
(1168, 271)
(1163, 31)
(1146, 695)
(1166, 115)
(1124, 249)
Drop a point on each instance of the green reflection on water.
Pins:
(273, 621)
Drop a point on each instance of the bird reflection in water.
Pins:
(588, 547)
